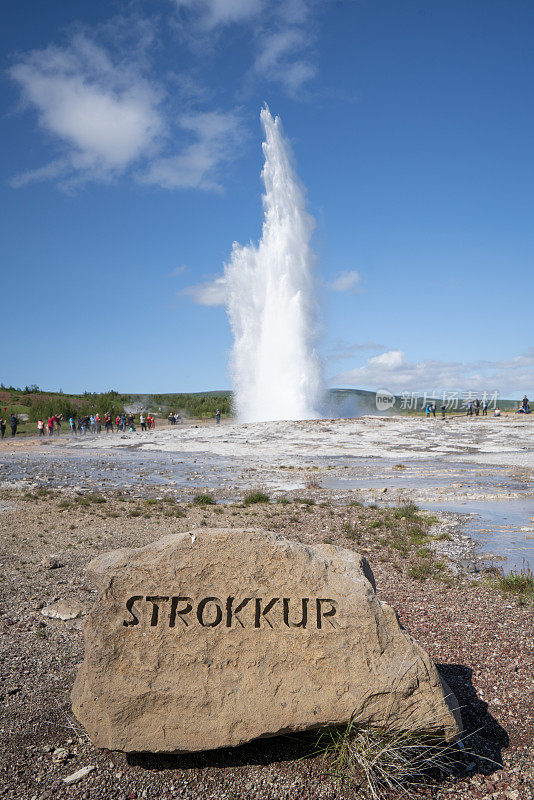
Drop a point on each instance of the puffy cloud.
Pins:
(105, 115)
(197, 166)
(346, 281)
(109, 119)
(209, 293)
(391, 369)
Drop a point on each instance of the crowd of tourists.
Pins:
(81, 425)
(93, 423)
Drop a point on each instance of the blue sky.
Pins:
(131, 161)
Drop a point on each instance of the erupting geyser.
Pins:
(271, 300)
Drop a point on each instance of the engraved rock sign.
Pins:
(211, 641)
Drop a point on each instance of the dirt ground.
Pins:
(484, 644)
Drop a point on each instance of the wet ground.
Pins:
(465, 467)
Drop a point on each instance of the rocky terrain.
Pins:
(482, 641)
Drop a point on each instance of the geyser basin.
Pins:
(271, 300)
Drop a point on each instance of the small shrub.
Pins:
(255, 497)
(408, 511)
(443, 536)
(134, 513)
(284, 501)
(518, 584)
(305, 501)
(328, 540)
(203, 500)
(421, 570)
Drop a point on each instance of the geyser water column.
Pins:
(271, 299)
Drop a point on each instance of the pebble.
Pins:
(51, 562)
(78, 775)
(59, 755)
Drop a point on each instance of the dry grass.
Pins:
(383, 762)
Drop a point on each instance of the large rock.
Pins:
(213, 639)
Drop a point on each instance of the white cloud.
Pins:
(345, 281)
(209, 293)
(107, 119)
(392, 370)
(222, 12)
(105, 115)
(178, 271)
(197, 166)
(281, 34)
(281, 52)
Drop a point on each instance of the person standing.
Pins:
(40, 427)
(477, 406)
(217, 417)
(2, 427)
(142, 421)
(98, 423)
(484, 408)
(14, 423)
(72, 423)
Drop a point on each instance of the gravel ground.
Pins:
(483, 643)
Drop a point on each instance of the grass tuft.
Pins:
(518, 584)
(384, 762)
(421, 569)
(203, 500)
(255, 497)
(408, 512)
